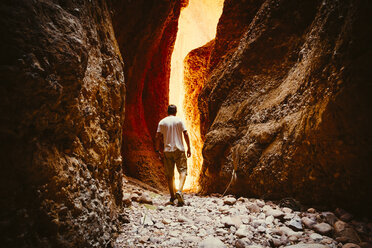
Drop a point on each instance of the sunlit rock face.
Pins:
(62, 109)
(290, 95)
(195, 70)
(146, 32)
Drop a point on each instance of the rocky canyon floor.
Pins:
(216, 221)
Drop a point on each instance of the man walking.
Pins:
(170, 130)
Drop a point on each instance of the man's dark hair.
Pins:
(172, 109)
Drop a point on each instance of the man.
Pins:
(170, 130)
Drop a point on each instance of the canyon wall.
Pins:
(63, 104)
(146, 32)
(195, 70)
(287, 101)
(62, 110)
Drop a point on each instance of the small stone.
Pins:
(266, 208)
(242, 232)
(231, 221)
(166, 221)
(288, 216)
(292, 238)
(275, 212)
(229, 201)
(211, 242)
(182, 218)
(159, 225)
(295, 224)
(144, 239)
(309, 223)
(261, 216)
(330, 217)
(269, 220)
(307, 246)
(203, 219)
(260, 203)
(252, 207)
(221, 232)
(134, 197)
(240, 243)
(311, 210)
(202, 232)
(256, 223)
(147, 221)
(326, 241)
(346, 217)
(261, 229)
(339, 226)
(227, 221)
(191, 239)
(274, 242)
(287, 210)
(289, 232)
(174, 233)
(145, 198)
(350, 245)
(316, 236)
(323, 228)
(345, 233)
(173, 242)
(127, 202)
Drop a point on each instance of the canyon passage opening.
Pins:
(196, 27)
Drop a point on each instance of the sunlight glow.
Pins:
(197, 25)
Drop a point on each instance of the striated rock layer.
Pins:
(146, 32)
(62, 109)
(288, 101)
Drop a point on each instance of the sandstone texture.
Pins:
(62, 110)
(290, 96)
(146, 32)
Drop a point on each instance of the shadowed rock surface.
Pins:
(291, 95)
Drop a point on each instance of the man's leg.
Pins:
(182, 181)
(182, 170)
(171, 187)
(169, 173)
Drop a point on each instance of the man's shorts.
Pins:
(171, 158)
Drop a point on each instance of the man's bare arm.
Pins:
(158, 141)
(186, 135)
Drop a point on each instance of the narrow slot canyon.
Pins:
(274, 95)
(196, 26)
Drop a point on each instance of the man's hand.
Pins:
(160, 155)
(187, 139)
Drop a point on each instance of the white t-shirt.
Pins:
(172, 127)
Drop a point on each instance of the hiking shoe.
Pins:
(171, 202)
(179, 196)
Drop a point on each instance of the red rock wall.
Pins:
(290, 95)
(152, 29)
(62, 107)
